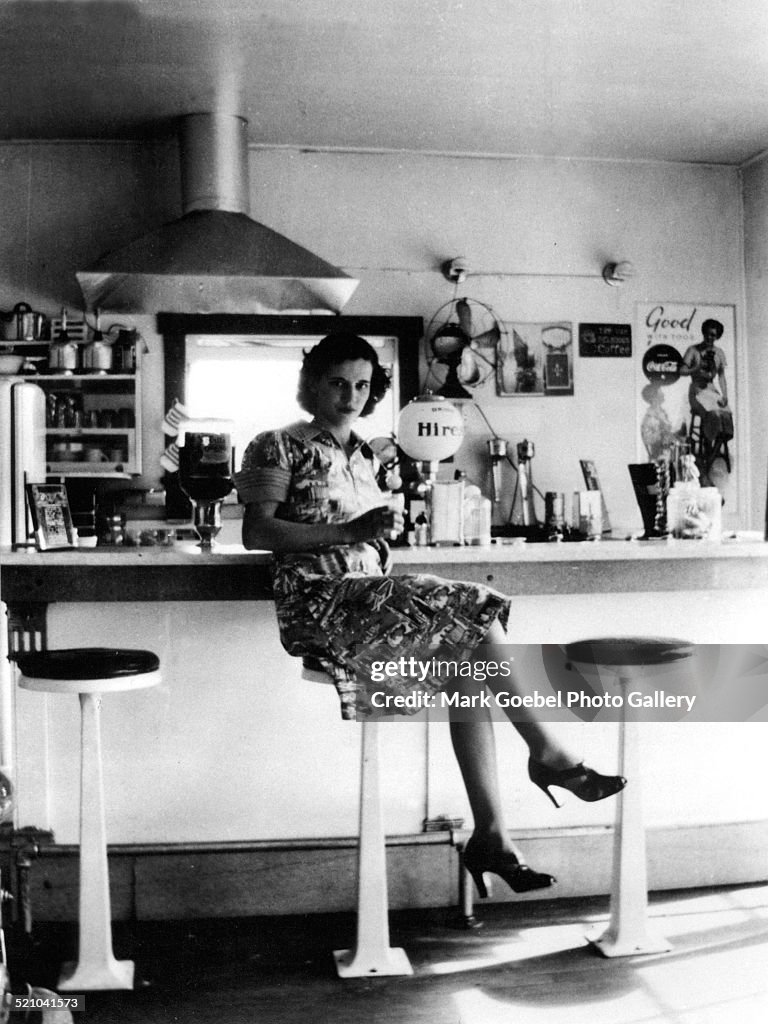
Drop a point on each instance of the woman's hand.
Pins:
(378, 522)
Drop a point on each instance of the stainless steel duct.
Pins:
(215, 258)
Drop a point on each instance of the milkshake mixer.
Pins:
(523, 513)
(497, 450)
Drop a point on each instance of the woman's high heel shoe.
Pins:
(519, 877)
(583, 782)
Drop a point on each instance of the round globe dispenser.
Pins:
(205, 472)
(430, 429)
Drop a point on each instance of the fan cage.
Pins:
(445, 316)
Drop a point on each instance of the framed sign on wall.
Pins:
(535, 359)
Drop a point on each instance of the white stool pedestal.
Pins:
(625, 663)
(372, 955)
(96, 967)
(628, 932)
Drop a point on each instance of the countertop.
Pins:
(184, 572)
(188, 553)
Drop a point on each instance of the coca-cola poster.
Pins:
(685, 368)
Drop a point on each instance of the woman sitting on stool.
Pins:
(311, 497)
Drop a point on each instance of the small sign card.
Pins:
(51, 518)
(603, 341)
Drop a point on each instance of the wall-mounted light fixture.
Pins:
(455, 270)
(616, 274)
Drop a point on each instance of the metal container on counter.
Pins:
(554, 514)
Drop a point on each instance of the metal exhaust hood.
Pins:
(215, 258)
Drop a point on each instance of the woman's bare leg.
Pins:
(474, 745)
(543, 745)
(554, 764)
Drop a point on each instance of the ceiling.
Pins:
(679, 80)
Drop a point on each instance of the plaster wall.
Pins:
(536, 233)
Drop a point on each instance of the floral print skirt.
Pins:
(346, 622)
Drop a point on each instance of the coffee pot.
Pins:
(62, 352)
(97, 354)
(21, 323)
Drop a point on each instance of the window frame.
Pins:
(175, 327)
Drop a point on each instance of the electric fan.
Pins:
(462, 336)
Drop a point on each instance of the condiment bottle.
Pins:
(111, 528)
(421, 531)
(477, 517)
(554, 515)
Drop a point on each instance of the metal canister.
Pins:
(554, 513)
(31, 325)
(125, 351)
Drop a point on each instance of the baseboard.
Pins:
(319, 876)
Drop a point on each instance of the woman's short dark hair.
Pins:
(340, 347)
(715, 324)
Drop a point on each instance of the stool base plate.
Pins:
(610, 945)
(83, 977)
(389, 963)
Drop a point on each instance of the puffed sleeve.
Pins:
(265, 474)
(691, 358)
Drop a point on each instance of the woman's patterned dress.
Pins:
(338, 604)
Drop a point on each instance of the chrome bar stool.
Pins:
(372, 955)
(625, 662)
(91, 672)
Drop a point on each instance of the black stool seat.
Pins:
(629, 650)
(87, 663)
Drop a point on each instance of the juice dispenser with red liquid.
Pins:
(205, 472)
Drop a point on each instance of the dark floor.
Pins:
(527, 964)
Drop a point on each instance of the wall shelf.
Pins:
(63, 378)
(97, 431)
(90, 470)
(92, 396)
